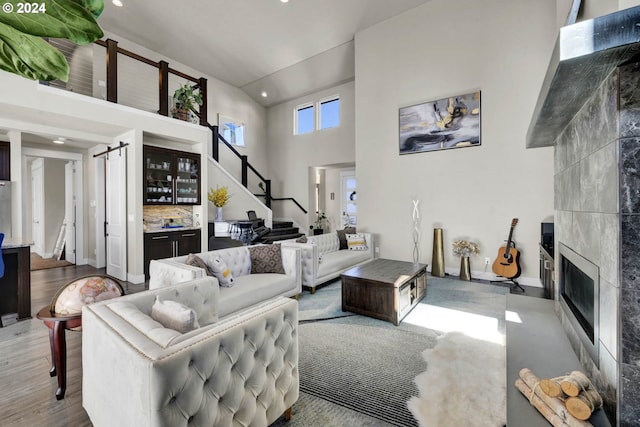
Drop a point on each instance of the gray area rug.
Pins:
(362, 370)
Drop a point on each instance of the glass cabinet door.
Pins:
(158, 177)
(187, 173)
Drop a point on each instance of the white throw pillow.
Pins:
(219, 269)
(174, 315)
(356, 242)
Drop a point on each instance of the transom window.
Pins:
(323, 114)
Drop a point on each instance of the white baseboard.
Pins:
(487, 275)
(135, 278)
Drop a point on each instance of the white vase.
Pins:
(219, 213)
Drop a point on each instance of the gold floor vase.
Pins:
(437, 259)
(465, 268)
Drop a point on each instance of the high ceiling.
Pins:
(256, 45)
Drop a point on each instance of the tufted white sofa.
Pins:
(248, 288)
(238, 370)
(323, 260)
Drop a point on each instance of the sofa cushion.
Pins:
(221, 271)
(342, 236)
(356, 242)
(174, 315)
(266, 259)
(341, 260)
(252, 289)
(196, 261)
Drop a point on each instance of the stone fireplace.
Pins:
(589, 110)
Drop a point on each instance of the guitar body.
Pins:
(507, 263)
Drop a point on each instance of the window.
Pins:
(304, 119)
(323, 114)
(329, 113)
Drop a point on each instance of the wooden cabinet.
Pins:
(170, 244)
(547, 274)
(171, 177)
(5, 161)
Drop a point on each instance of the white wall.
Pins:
(592, 8)
(441, 49)
(291, 156)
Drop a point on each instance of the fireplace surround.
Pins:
(579, 281)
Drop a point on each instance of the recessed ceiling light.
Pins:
(59, 141)
(264, 94)
(117, 3)
(284, 1)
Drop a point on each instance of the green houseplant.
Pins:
(186, 98)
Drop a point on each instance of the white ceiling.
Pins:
(256, 45)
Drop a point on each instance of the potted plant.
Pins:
(320, 223)
(464, 249)
(219, 197)
(186, 98)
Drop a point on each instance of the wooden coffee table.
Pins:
(384, 289)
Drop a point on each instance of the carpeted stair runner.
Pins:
(282, 230)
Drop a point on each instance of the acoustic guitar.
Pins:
(507, 263)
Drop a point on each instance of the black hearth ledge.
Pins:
(584, 55)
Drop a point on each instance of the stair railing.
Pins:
(245, 168)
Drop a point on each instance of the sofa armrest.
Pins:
(309, 261)
(291, 264)
(166, 272)
(155, 384)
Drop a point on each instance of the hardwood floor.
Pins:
(28, 392)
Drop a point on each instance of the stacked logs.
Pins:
(568, 400)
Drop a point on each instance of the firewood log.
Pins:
(551, 387)
(554, 403)
(583, 405)
(574, 383)
(542, 407)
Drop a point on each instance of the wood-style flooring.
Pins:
(27, 392)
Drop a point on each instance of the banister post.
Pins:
(245, 167)
(215, 149)
(202, 84)
(267, 191)
(163, 87)
(112, 71)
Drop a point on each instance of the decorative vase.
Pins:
(219, 213)
(437, 259)
(465, 268)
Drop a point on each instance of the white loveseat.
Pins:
(323, 260)
(241, 369)
(248, 289)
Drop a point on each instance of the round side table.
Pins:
(58, 324)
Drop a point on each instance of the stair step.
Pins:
(280, 231)
(274, 238)
(282, 224)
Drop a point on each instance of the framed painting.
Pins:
(452, 122)
(231, 130)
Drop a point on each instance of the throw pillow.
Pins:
(221, 272)
(266, 259)
(174, 315)
(302, 239)
(196, 261)
(356, 242)
(342, 236)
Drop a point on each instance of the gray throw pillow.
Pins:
(196, 261)
(342, 236)
(266, 259)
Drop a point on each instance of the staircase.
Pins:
(281, 230)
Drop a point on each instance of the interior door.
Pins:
(70, 212)
(349, 205)
(116, 213)
(37, 205)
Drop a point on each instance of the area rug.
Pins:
(39, 263)
(464, 384)
(324, 304)
(369, 365)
